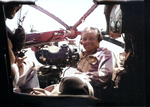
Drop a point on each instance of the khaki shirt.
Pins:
(98, 67)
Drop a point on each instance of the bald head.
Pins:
(92, 30)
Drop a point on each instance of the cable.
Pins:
(65, 71)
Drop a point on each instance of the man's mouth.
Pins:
(87, 45)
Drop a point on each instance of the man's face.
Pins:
(11, 9)
(90, 40)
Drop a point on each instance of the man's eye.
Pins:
(84, 39)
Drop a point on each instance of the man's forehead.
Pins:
(89, 32)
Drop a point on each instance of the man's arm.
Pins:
(11, 54)
(14, 69)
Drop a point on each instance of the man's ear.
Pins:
(81, 41)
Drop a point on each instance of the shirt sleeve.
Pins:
(15, 72)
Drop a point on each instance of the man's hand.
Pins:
(20, 60)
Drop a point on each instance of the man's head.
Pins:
(11, 10)
(90, 39)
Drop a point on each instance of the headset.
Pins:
(100, 37)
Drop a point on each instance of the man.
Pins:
(17, 38)
(94, 70)
(24, 77)
(95, 67)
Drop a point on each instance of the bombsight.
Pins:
(61, 56)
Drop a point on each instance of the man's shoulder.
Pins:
(102, 49)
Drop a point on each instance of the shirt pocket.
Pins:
(84, 65)
(88, 64)
(93, 62)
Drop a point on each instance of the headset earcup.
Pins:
(100, 38)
